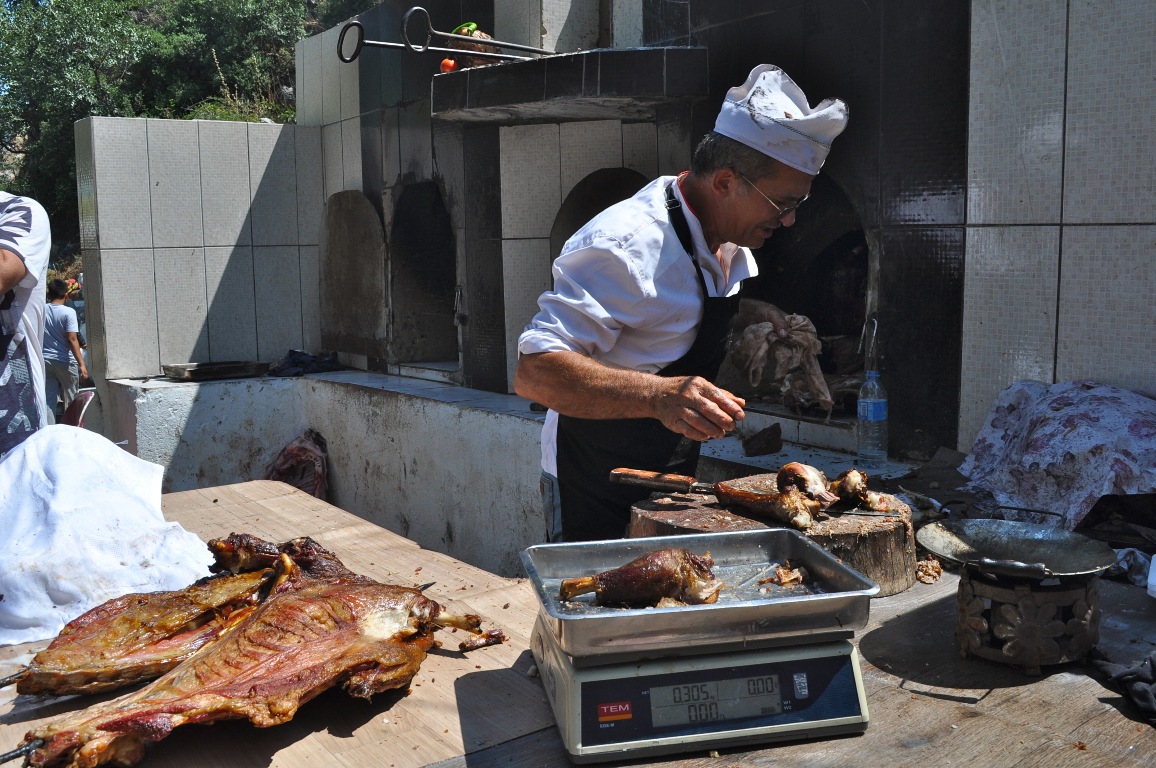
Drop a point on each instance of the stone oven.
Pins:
(478, 176)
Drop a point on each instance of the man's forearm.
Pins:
(575, 385)
(12, 270)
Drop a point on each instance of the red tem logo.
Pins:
(619, 710)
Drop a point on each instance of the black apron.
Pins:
(592, 506)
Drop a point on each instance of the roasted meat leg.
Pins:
(140, 636)
(310, 635)
(807, 479)
(644, 581)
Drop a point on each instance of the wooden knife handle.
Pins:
(660, 481)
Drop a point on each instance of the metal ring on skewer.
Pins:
(360, 42)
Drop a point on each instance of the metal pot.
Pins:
(1024, 550)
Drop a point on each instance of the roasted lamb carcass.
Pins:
(308, 636)
(140, 636)
(673, 574)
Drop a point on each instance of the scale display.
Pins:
(715, 701)
(702, 701)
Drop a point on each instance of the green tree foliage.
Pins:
(64, 60)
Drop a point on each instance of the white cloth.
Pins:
(770, 113)
(24, 230)
(81, 524)
(626, 293)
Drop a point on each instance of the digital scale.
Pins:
(678, 704)
(762, 664)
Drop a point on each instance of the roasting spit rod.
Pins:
(360, 42)
(430, 32)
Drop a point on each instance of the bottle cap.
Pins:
(872, 374)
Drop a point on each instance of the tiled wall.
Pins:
(199, 241)
(1061, 236)
(540, 165)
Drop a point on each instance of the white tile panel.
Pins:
(518, 21)
(351, 154)
(224, 152)
(349, 76)
(640, 148)
(586, 147)
(1107, 313)
(277, 297)
(333, 172)
(311, 298)
(121, 171)
(309, 98)
(310, 180)
(415, 139)
(1110, 156)
(273, 184)
(232, 312)
(129, 304)
(390, 147)
(526, 267)
(330, 77)
(182, 305)
(531, 179)
(1009, 316)
(1016, 114)
(175, 183)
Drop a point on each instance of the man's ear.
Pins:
(725, 182)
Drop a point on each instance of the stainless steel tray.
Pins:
(836, 602)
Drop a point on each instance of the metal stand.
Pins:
(1026, 622)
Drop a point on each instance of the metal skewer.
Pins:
(430, 32)
(23, 751)
(361, 42)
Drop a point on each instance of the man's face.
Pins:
(760, 206)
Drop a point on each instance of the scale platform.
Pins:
(628, 709)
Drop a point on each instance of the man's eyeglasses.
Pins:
(783, 211)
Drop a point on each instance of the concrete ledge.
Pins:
(452, 468)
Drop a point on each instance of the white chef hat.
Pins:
(770, 113)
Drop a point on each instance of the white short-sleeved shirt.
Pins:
(626, 293)
(24, 230)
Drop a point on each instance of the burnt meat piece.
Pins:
(308, 636)
(671, 573)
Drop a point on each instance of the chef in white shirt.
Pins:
(624, 347)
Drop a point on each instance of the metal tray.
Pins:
(231, 369)
(836, 603)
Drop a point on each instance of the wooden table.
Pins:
(928, 706)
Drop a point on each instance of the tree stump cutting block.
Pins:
(881, 548)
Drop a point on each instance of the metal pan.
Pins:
(834, 604)
(758, 494)
(1016, 549)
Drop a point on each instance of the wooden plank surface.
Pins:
(458, 703)
(928, 706)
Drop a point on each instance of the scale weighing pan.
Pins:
(832, 603)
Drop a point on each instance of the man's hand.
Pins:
(695, 408)
(575, 385)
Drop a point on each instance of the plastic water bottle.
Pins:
(871, 428)
(1152, 577)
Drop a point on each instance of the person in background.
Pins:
(64, 366)
(624, 347)
(25, 247)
